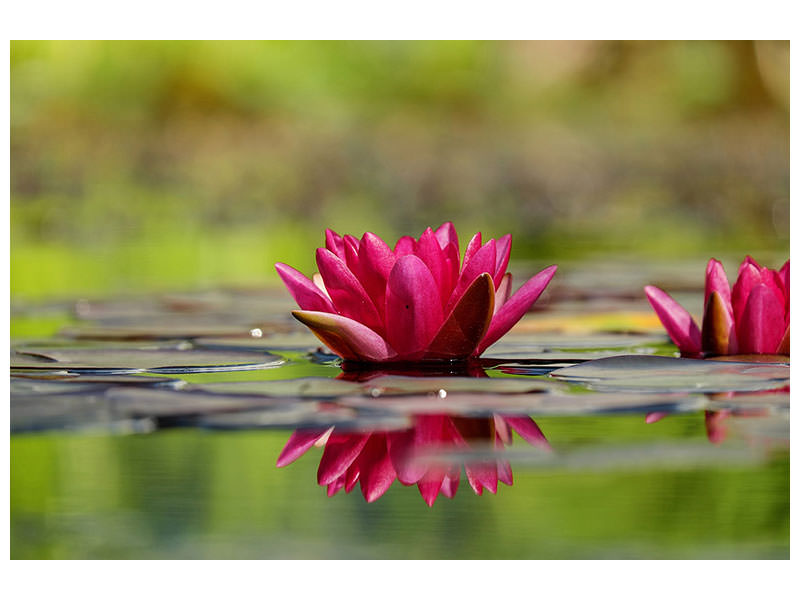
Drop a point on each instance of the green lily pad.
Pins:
(120, 360)
(636, 373)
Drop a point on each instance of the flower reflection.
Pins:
(716, 421)
(417, 455)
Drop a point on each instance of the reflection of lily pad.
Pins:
(302, 387)
(23, 386)
(120, 360)
(533, 404)
(393, 385)
(666, 374)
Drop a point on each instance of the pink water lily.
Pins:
(750, 318)
(376, 459)
(418, 301)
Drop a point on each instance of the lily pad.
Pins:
(634, 373)
(302, 387)
(121, 360)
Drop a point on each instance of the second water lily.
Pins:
(752, 317)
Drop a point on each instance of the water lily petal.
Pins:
(404, 246)
(762, 325)
(348, 338)
(783, 347)
(749, 277)
(298, 443)
(334, 243)
(504, 473)
(346, 292)
(676, 320)
(446, 234)
(654, 417)
(467, 323)
(307, 295)
(715, 425)
(340, 452)
(516, 306)
(400, 445)
(717, 325)
(450, 484)
(413, 308)
(351, 476)
(503, 292)
(317, 279)
(502, 430)
(473, 246)
(335, 486)
(483, 261)
(427, 249)
(503, 254)
(453, 267)
(377, 474)
(717, 281)
(528, 430)
(431, 483)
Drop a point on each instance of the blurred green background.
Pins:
(141, 166)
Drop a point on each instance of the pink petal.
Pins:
(503, 292)
(528, 430)
(482, 474)
(502, 430)
(654, 417)
(517, 305)
(762, 324)
(335, 486)
(352, 241)
(783, 347)
(473, 246)
(377, 474)
(503, 254)
(446, 234)
(749, 277)
(334, 243)
(431, 483)
(715, 426)
(298, 443)
(504, 473)
(427, 249)
(346, 292)
(450, 484)
(376, 260)
(404, 246)
(717, 281)
(676, 320)
(340, 452)
(348, 338)
(748, 260)
(718, 327)
(483, 261)
(351, 477)
(401, 448)
(467, 323)
(452, 269)
(413, 308)
(307, 295)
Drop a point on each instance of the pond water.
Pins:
(212, 425)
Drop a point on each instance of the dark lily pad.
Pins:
(121, 360)
(533, 404)
(394, 385)
(634, 373)
(302, 387)
(24, 386)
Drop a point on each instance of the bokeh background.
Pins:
(141, 166)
